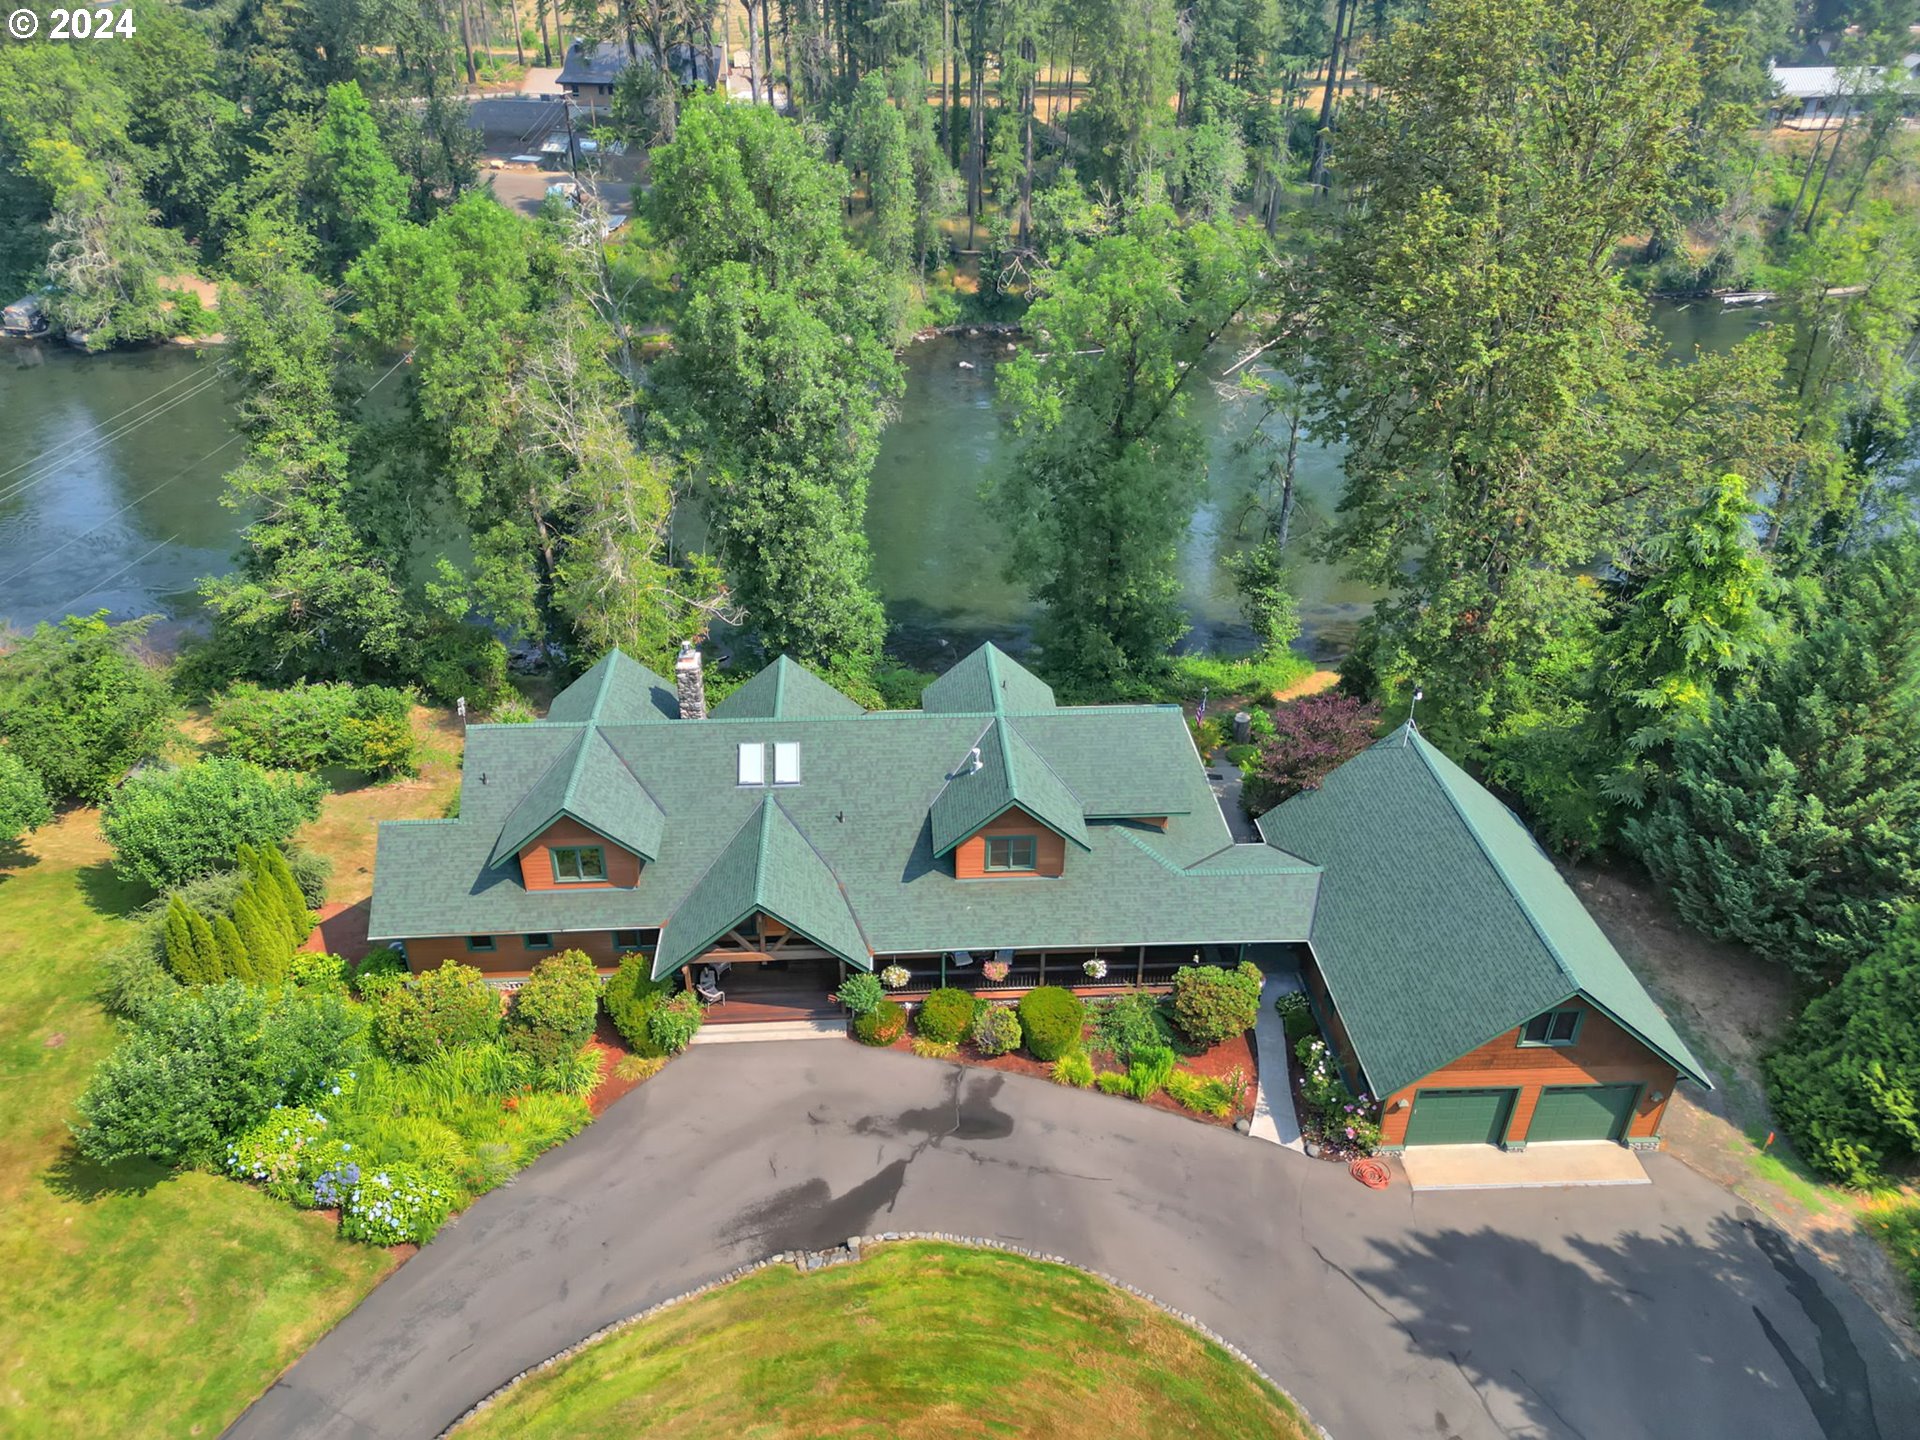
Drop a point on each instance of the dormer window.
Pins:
(1012, 852)
(577, 864)
(753, 763)
(786, 763)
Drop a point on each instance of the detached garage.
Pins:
(1457, 975)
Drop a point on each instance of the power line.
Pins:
(53, 464)
(38, 561)
(65, 607)
(143, 400)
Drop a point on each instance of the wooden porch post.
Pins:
(1140, 967)
(1043, 967)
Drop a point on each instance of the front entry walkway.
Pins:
(1488, 1167)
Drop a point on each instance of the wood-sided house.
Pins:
(792, 836)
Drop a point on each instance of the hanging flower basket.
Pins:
(894, 976)
(996, 970)
(1096, 968)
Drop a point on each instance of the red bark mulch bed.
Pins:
(1218, 1062)
(612, 1048)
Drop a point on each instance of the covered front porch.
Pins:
(762, 972)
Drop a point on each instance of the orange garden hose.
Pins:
(1371, 1173)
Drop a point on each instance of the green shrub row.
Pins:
(168, 826)
(366, 728)
(254, 940)
(653, 1016)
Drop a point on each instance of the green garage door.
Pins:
(1460, 1117)
(1589, 1112)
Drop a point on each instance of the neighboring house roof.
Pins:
(590, 783)
(1818, 82)
(868, 784)
(989, 681)
(601, 64)
(769, 868)
(1007, 772)
(1440, 923)
(785, 691)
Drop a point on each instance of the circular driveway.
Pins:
(1667, 1310)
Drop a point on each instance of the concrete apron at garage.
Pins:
(1488, 1167)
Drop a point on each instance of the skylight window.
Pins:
(753, 763)
(786, 763)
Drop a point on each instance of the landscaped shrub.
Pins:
(882, 1025)
(1296, 1016)
(24, 804)
(78, 708)
(439, 1009)
(206, 1063)
(552, 1014)
(167, 826)
(316, 970)
(1074, 1068)
(311, 871)
(1211, 1005)
(1218, 1096)
(377, 971)
(574, 1073)
(279, 1153)
(630, 997)
(1845, 1082)
(673, 1022)
(1113, 1084)
(1052, 1020)
(1127, 1022)
(946, 1015)
(861, 993)
(996, 1030)
(367, 728)
(1312, 736)
(1328, 1108)
(392, 1204)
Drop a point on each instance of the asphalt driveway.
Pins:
(1663, 1311)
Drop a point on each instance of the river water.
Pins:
(111, 466)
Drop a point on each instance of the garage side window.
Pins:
(1556, 1027)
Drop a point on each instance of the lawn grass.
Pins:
(917, 1340)
(136, 1301)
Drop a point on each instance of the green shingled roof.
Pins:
(986, 682)
(616, 691)
(1009, 772)
(590, 783)
(785, 691)
(868, 784)
(768, 867)
(1440, 923)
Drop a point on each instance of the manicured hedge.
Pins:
(1051, 1020)
(946, 1016)
(630, 997)
(882, 1025)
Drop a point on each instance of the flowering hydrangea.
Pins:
(894, 976)
(391, 1204)
(280, 1152)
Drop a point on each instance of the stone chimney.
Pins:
(690, 682)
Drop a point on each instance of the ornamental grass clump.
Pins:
(996, 1030)
(1075, 1068)
(1211, 1005)
(946, 1016)
(1215, 1095)
(1052, 1020)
